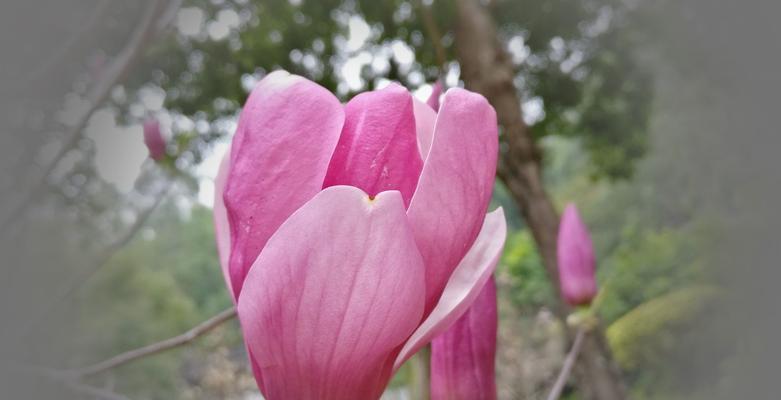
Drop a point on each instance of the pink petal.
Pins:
(255, 370)
(425, 118)
(221, 225)
(222, 233)
(577, 264)
(333, 296)
(464, 286)
(378, 147)
(285, 138)
(433, 99)
(455, 186)
(463, 357)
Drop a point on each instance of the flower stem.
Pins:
(566, 368)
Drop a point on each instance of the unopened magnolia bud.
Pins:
(153, 139)
(577, 275)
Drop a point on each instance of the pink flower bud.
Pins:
(577, 276)
(153, 139)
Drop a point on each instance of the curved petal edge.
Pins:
(464, 285)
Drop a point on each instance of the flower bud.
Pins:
(577, 276)
(153, 139)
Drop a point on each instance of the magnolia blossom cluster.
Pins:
(352, 235)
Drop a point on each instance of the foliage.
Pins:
(648, 264)
(654, 324)
(162, 284)
(530, 286)
(576, 62)
(661, 347)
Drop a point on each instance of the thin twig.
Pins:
(566, 368)
(97, 94)
(154, 348)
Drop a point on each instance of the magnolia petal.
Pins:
(286, 135)
(425, 118)
(221, 225)
(255, 370)
(463, 357)
(464, 285)
(377, 150)
(333, 296)
(455, 186)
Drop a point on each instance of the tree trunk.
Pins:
(486, 68)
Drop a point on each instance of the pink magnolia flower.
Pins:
(463, 357)
(153, 139)
(351, 235)
(577, 275)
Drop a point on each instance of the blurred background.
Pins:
(657, 118)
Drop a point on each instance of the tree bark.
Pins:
(487, 69)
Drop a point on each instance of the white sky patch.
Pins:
(119, 150)
(380, 63)
(518, 49)
(533, 110)
(217, 31)
(229, 17)
(248, 82)
(351, 70)
(207, 171)
(359, 33)
(402, 53)
(381, 83)
(220, 28)
(152, 97)
(189, 21)
(423, 92)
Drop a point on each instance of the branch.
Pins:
(566, 368)
(97, 94)
(155, 348)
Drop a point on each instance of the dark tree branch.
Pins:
(154, 348)
(487, 68)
